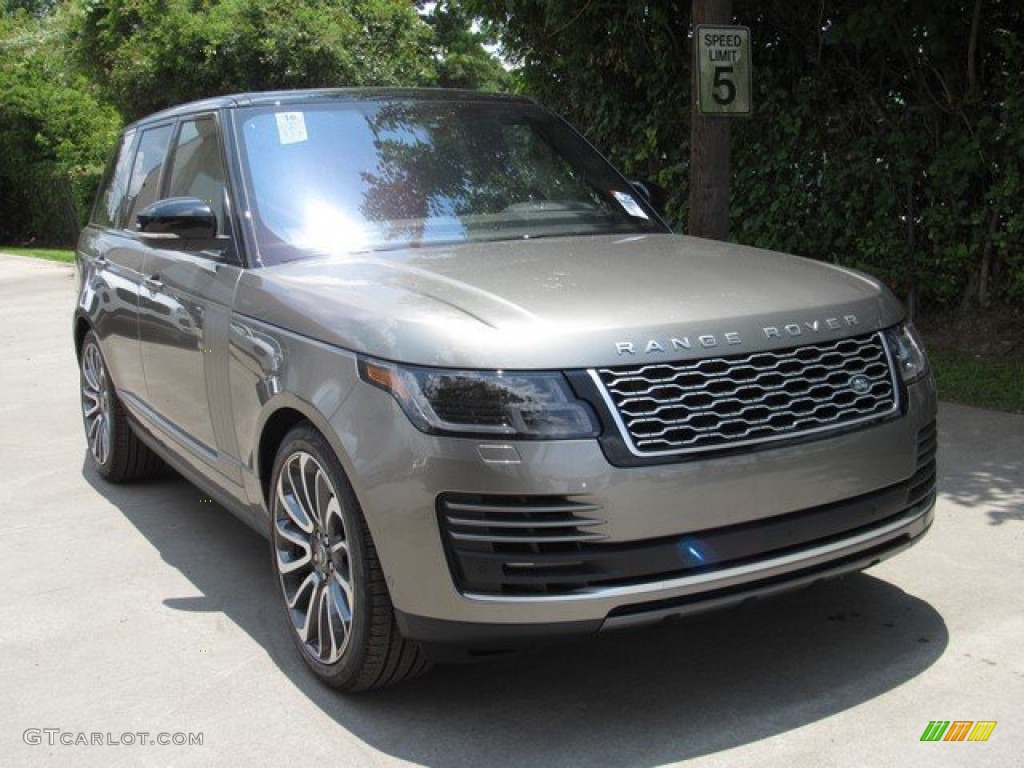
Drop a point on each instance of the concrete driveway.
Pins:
(145, 609)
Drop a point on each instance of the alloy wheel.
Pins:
(312, 556)
(96, 404)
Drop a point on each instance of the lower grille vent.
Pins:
(525, 544)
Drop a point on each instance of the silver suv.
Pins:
(471, 387)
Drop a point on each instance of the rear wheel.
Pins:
(115, 451)
(333, 590)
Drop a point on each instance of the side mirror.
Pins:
(653, 194)
(187, 218)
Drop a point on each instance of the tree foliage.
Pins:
(73, 72)
(55, 132)
(460, 49)
(150, 54)
(886, 135)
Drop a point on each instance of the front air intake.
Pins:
(518, 543)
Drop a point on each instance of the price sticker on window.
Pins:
(291, 127)
(723, 71)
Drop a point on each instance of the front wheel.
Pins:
(333, 590)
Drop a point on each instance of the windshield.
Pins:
(358, 176)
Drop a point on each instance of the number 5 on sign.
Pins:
(723, 70)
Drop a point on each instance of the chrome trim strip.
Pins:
(519, 509)
(503, 538)
(576, 522)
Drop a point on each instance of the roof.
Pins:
(312, 95)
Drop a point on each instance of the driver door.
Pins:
(184, 341)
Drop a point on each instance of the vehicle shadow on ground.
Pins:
(638, 698)
(984, 465)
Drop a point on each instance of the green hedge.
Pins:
(886, 135)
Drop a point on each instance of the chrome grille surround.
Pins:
(720, 403)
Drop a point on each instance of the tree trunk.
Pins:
(985, 273)
(72, 228)
(972, 48)
(911, 263)
(709, 146)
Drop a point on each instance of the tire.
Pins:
(333, 590)
(114, 450)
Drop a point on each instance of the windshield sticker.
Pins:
(629, 203)
(291, 127)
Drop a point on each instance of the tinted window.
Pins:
(144, 185)
(371, 176)
(198, 166)
(114, 185)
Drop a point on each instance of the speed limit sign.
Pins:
(723, 70)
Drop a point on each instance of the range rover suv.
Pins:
(470, 386)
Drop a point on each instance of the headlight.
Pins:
(510, 404)
(907, 352)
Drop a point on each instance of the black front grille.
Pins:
(724, 402)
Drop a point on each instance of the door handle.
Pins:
(154, 282)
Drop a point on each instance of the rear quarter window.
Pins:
(114, 185)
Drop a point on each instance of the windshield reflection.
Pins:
(356, 176)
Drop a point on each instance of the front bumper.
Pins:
(759, 522)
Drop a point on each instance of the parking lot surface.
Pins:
(146, 609)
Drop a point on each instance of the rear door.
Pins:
(112, 258)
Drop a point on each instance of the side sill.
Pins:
(230, 499)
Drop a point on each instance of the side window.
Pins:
(143, 187)
(198, 167)
(114, 184)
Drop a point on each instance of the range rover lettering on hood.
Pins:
(733, 338)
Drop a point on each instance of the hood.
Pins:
(566, 302)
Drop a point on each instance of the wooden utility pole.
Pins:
(709, 146)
